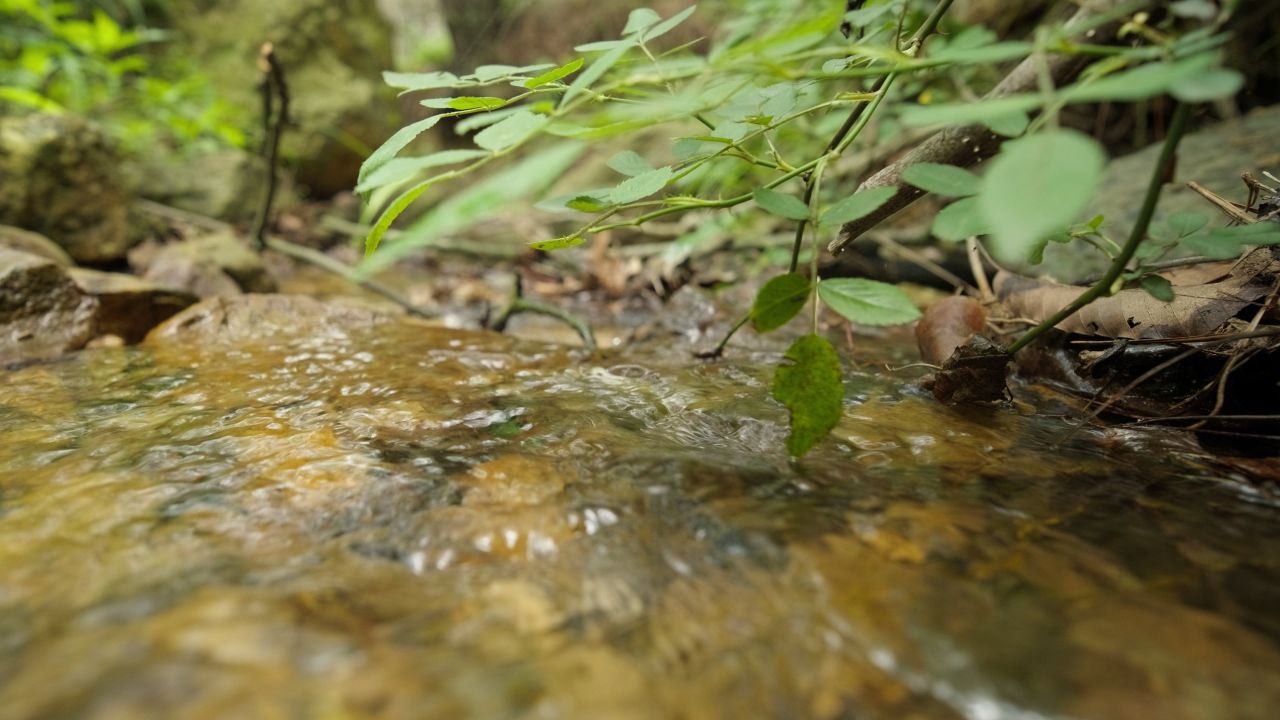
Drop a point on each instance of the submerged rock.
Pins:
(61, 178)
(128, 307)
(248, 317)
(43, 314)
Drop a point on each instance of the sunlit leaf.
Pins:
(945, 180)
(669, 24)
(641, 186)
(810, 386)
(778, 301)
(1037, 185)
(558, 243)
(857, 205)
(553, 75)
(422, 81)
(781, 204)
(465, 103)
(867, 302)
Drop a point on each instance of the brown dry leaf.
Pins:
(1197, 309)
(610, 271)
(946, 325)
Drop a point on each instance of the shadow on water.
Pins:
(414, 522)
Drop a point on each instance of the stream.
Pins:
(405, 521)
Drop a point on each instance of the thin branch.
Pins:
(273, 86)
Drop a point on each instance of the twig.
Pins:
(937, 270)
(972, 248)
(272, 86)
(1159, 176)
(1223, 204)
(517, 303)
(1191, 340)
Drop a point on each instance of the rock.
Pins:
(333, 54)
(128, 307)
(43, 314)
(226, 184)
(217, 265)
(34, 244)
(60, 178)
(249, 317)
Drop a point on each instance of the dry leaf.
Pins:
(946, 325)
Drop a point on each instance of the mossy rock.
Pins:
(60, 177)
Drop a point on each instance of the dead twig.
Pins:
(517, 303)
(273, 86)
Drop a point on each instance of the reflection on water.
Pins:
(413, 522)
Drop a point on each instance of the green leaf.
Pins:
(1012, 125)
(1208, 85)
(993, 53)
(668, 25)
(868, 302)
(1183, 224)
(812, 389)
(945, 180)
(511, 131)
(1037, 185)
(586, 204)
(1197, 9)
(421, 81)
(640, 19)
(781, 204)
(960, 221)
(596, 70)
(553, 75)
(1228, 242)
(629, 163)
(399, 169)
(465, 103)
(558, 243)
(641, 186)
(857, 205)
(395, 144)
(778, 301)
(1157, 287)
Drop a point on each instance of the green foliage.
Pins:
(63, 56)
(767, 108)
(811, 388)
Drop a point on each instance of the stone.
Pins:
(43, 314)
(333, 53)
(128, 307)
(225, 184)
(60, 177)
(250, 317)
(33, 243)
(216, 265)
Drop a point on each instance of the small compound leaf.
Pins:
(1157, 287)
(641, 186)
(1037, 185)
(395, 144)
(551, 76)
(421, 81)
(558, 243)
(868, 302)
(781, 204)
(778, 301)
(959, 221)
(945, 180)
(399, 169)
(629, 163)
(857, 205)
(812, 389)
(511, 131)
(596, 69)
(465, 103)
(640, 19)
(669, 24)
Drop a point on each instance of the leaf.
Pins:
(596, 69)
(629, 163)
(1158, 287)
(558, 243)
(421, 81)
(395, 144)
(1225, 243)
(511, 131)
(641, 186)
(640, 19)
(778, 301)
(1037, 185)
(1186, 223)
(868, 302)
(551, 76)
(398, 169)
(959, 221)
(857, 205)
(465, 103)
(1011, 125)
(586, 204)
(945, 180)
(811, 388)
(1209, 85)
(781, 204)
(1196, 9)
(669, 24)
(993, 53)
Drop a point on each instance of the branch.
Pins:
(968, 145)
(273, 86)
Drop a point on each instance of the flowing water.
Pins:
(408, 522)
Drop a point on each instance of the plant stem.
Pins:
(1159, 176)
